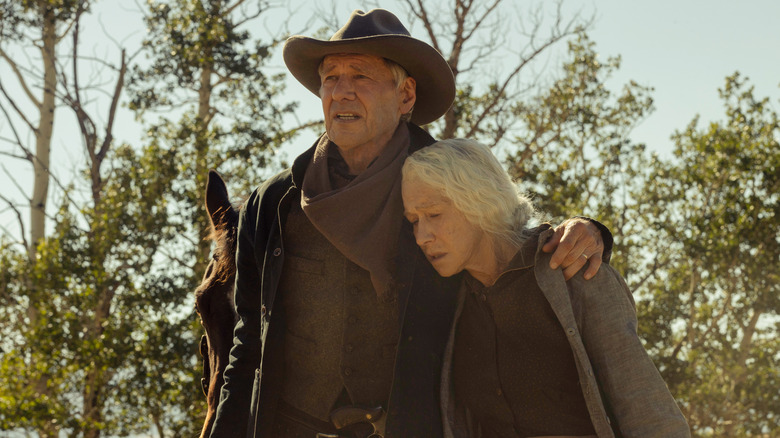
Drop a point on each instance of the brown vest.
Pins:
(513, 366)
(338, 334)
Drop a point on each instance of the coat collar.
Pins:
(524, 258)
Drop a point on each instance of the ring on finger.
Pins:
(584, 255)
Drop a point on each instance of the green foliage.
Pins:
(90, 324)
(206, 78)
(711, 315)
(573, 153)
(17, 17)
(98, 334)
(208, 71)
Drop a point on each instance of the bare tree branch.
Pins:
(479, 21)
(232, 8)
(66, 31)
(53, 177)
(20, 78)
(246, 18)
(28, 155)
(120, 82)
(502, 88)
(17, 109)
(8, 154)
(18, 218)
(176, 259)
(422, 14)
(13, 181)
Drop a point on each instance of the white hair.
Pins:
(468, 174)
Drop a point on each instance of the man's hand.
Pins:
(576, 242)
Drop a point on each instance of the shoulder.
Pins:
(606, 279)
(537, 236)
(606, 294)
(418, 138)
(261, 206)
(606, 291)
(273, 187)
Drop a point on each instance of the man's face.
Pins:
(361, 103)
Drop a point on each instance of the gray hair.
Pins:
(468, 174)
(399, 75)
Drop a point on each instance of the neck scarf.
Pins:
(362, 219)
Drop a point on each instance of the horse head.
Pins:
(214, 296)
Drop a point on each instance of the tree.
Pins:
(711, 315)
(573, 151)
(94, 331)
(492, 70)
(205, 69)
(209, 102)
(106, 351)
(41, 24)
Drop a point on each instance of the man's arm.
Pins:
(577, 241)
(233, 412)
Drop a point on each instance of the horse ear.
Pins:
(217, 200)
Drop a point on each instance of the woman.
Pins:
(571, 364)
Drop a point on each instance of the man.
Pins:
(341, 318)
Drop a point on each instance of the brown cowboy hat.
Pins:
(378, 32)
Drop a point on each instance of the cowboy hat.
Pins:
(378, 32)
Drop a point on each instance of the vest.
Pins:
(338, 334)
(513, 367)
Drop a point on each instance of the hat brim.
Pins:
(435, 82)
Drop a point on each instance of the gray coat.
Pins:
(599, 317)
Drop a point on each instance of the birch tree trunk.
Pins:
(44, 131)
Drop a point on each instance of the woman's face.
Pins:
(450, 242)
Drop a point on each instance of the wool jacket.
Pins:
(624, 392)
(254, 376)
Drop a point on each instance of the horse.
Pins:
(214, 296)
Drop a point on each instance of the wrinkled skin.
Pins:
(214, 296)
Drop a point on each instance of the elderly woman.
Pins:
(530, 354)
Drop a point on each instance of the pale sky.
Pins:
(684, 49)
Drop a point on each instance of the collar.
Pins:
(524, 258)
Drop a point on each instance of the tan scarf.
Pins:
(362, 219)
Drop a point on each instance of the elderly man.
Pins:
(342, 322)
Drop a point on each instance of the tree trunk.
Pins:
(41, 174)
(44, 134)
(201, 165)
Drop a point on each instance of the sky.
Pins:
(684, 49)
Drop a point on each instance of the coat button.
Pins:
(263, 310)
(277, 252)
(347, 371)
